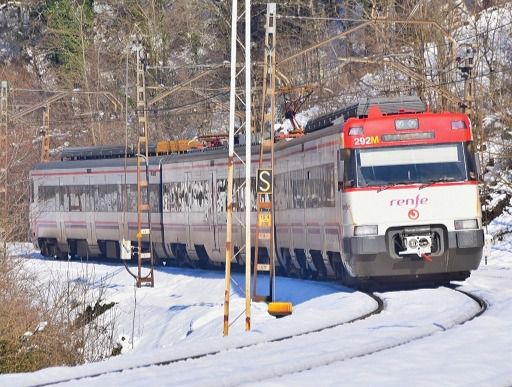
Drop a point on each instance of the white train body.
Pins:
(331, 218)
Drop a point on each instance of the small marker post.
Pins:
(280, 309)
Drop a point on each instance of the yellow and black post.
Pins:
(265, 178)
(144, 243)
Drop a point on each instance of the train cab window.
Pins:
(107, 197)
(471, 161)
(166, 198)
(350, 168)
(47, 198)
(74, 199)
(63, 204)
(411, 164)
(341, 170)
(32, 193)
(297, 188)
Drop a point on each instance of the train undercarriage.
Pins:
(414, 271)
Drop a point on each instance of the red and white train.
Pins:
(375, 191)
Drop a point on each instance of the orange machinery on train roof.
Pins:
(182, 146)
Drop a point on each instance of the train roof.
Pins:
(394, 105)
(103, 152)
(89, 157)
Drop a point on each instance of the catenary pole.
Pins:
(229, 209)
(248, 130)
(243, 246)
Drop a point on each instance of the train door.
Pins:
(312, 208)
(87, 208)
(78, 212)
(187, 216)
(340, 168)
(123, 221)
(118, 205)
(297, 211)
(62, 213)
(212, 215)
(220, 207)
(169, 207)
(282, 217)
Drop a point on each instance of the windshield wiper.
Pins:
(385, 187)
(434, 181)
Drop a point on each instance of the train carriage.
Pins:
(410, 197)
(377, 190)
(85, 207)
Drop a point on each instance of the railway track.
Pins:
(331, 338)
(482, 307)
(379, 307)
(480, 301)
(274, 345)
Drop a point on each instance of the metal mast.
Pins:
(264, 200)
(45, 138)
(3, 167)
(466, 69)
(246, 185)
(144, 243)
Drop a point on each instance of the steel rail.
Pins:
(380, 305)
(482, 308)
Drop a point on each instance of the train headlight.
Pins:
(466, 224)
(365, 230)
(355, 131)
(407, 124)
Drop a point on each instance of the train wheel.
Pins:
(43, 247)
(182, 257)
(304, 271)
(279, 264)
(61, 255)
(318, 261)
(72, 248)
(287, 263)
(53, 250)
(343, 275)
(204, 259)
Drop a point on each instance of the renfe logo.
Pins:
(409, 202)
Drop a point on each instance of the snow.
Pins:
(416, 340)
(302, 119)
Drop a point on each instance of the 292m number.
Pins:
(370, 140)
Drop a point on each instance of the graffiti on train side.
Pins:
(222, 198)
(193, 196)
(197, 196)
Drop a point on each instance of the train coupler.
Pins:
(420, 245)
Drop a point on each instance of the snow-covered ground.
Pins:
(415, 341)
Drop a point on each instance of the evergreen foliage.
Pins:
(69, 24)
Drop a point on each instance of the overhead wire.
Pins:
(170, 109)
(318, 18)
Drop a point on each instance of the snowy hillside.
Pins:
(417, 339)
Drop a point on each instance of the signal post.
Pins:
(4, 161)
(264, 200)
(246, 162)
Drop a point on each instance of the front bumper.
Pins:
(369, 256)
(466, 239)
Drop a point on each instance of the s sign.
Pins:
(264, 181)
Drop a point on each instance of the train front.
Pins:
(410, 202)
